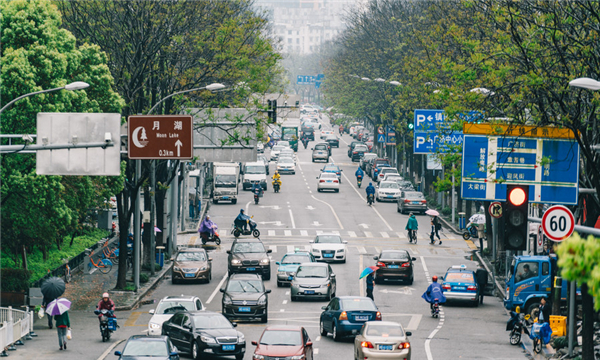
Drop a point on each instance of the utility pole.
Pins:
(136, 229)
(152, 214)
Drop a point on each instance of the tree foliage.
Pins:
(578, 259)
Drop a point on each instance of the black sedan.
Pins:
(148, 347)
(333, 140)
(394, 265)
(201, 333)
(245, 298)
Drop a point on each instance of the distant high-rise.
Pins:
(303, 25)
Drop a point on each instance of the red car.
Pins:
(280, 341)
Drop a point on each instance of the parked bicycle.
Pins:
(104, 265)
(110, 253)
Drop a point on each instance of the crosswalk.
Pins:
(345, 234)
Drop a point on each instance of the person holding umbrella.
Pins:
(369, 273)
(59, 308)
(51, 289)
(435, 225)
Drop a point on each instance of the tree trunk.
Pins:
(587, 347)
(24, 258)
(148, 229)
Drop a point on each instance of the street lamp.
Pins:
(365, 79)
(77, 85)
(211, 87)
(482, 91)
(585, 83)
(380, 80)
(395, 83)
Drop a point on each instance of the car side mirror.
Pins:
(332, 275)
(151, 311)
(173, 353)
(229, 251)
(254, 343)
(408, 333)
(269, 251)
(117, 353)
(375, 257)
(268, 291)
(292, 274)
(311, 241)
(222, 290)
(312, 148)
(234, 324)
(277, 263)
(344, 242)
(209, 259)
(309, 343)
(441, 278)
(414, 259)
(321, 170)
(323, 307)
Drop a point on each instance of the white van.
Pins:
(255, 171)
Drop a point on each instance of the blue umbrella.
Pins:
(368, 270)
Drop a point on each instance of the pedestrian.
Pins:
(370, 284)
(436, 225)
(481, 275)
(481, 235)
(191, 205)
(63, 323)
(45, 301)
(545, 309)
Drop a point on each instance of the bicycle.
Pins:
(110, 253)
(104, 265)
(412, 236)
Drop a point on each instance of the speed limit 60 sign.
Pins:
(558, 223)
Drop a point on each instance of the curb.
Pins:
(450, 226)
(141, 293)
(110, 348)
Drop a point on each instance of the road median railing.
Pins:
(15, 326)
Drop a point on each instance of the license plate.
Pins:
(309, 292)
(415, 203)
(393, 266)
(389, 197)
(190, 275)
(460, 288)
(225, 197)
(386, 347)
(329, 181)
(328, 255)
(244, 309)
(361, 318)
(228, 347)
(250, 269)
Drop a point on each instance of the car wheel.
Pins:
(377, 199)
(239, 356)
(318, 190)
(234, 201)
(215, 201)
(378, 280)
(195, 353)
(173, 281)
(337, 190)
(294, 298)
(397, 209)
(265, 317)
(322, 329)
(267, 276)
(336, 335)
(410, 282)
(279, 284)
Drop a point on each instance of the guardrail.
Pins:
(15, 325)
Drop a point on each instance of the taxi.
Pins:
(460, 284)
(289, 264)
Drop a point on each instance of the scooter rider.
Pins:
(360, 172)
(105, 304)
(370, 190)
(277, 178)
(241, 220)
(207, 228)
(256, 186)
(434, 291)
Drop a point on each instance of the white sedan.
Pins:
(286, 165)
(387, 191)
(328, 181)
(325, 133)
(275, 150)
(328, 247)
(168, 306)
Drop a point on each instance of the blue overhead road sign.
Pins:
(428, 120)
(549, 166)
(431, 133)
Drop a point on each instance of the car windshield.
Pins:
(404, 184)
(250, 286)
(285, 161)
(358, 304)
(414, 195)
(321, 147)
(389, 185)
(329, 176)
(328, 239)
(254, 169)
(394, 255)
(384, 330)
(225, 181)
(369, 156)
(311, 272)
(295, 259)
(382, 162)
(331, 168)
(216, 321)
(145, 348)
(284, 144)
(361, 148)
(459, 277)
(171, 307)
(389, 170)
(191, 256)
(281, 338)
(277, 148)
(331, 137)
(248, 247)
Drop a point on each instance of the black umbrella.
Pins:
(53, 287)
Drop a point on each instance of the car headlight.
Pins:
(246, 180)
(281, 272)
(340, 250)
(235, 262)
(258, 357)
(176, 268)
(297, 357)
(154, 326)
(208, 339)
(241, 338)
(316, 250)
(203, 268)
(227, 300)
(264, 261)
(325, 285)
(262, 300)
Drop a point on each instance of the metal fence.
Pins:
(15, 325)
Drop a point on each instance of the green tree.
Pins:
(37, 211)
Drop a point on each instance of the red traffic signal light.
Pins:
(517, 196)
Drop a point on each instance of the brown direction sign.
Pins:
(160, 137)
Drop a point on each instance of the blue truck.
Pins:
(531, 278)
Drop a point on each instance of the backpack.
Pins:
(437, 223)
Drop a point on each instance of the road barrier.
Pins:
(15, 325)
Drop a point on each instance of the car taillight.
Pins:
(406, 201)
(472, 288)
(446, 287)
(355, 152)
(343, 316)
(335, 181)
(404, 345)
(321, 181)
(367, 344)
(378, 316)
(406, 264)
(380, 264)
(423, 201)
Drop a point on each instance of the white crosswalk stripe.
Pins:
(335, 232)
(290, 248)
(422, 236)
(319, 232)
(384, 235)
(271, 233)
(351, 234)
(303, 233)
(401, 235)
(287, 232)
(273, 248)
(361, 250)
(368, 234)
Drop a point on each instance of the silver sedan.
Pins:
(382, 340)
(328, 181)
(313, 280)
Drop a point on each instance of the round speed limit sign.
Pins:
(558, 223)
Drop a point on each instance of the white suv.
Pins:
(168, 306)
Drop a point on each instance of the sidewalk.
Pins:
(526, 343)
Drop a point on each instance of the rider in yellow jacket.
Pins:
(277, 179)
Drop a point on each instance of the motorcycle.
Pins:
(257, 195)
(470, 231)
(370, 199)
(108, 323)
(359, 181)
(211, 237)
(516, 325)
(305, 143)
(276, 185)
(238, 230)
(435, 308)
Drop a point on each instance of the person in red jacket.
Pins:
(105, 304)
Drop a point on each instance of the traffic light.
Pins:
(269, 110)
(274, 112)
(515, 217)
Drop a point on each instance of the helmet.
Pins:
(434, 278)
(241, 210)
(105, 295)
(370, 184)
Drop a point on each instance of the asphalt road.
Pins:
(288, 220)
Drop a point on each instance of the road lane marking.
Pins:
(368, 234)
(133, 318)
(372, 207)
(303, 233)
(440, 321)
(319, 232)
(318, 338)
(335, 232)
(281, 310)
(351, 233)
(287, 232)
(192, 240)
(401, 235)
(316, 351)
(361, 283)
(214, 293)
(271, 232)
(292, 217)
(248, 204)
(377, 250)
(110, 348)
(413, 324)
(361, 249)
(290, 248)
(284, 302)
(384, 234)
(332, 210)
(273, 248)
(287, 292)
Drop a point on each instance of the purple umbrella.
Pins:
(58, 306)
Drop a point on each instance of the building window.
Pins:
(289, 32)
(289, 40)
(297, 40)
(310, 39)
(311, 48)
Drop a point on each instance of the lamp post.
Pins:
(77, 85)
(211, 87)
